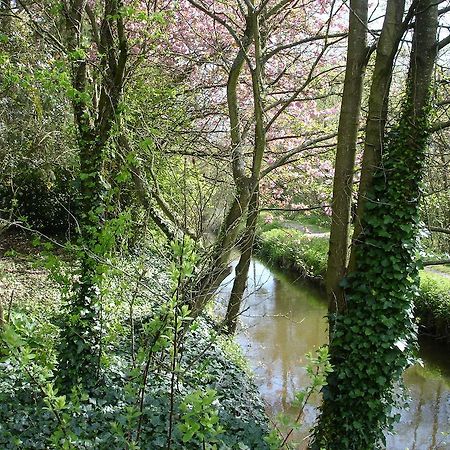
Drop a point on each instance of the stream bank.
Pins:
(305, 254)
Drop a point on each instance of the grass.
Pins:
(311, 224)
(306, 255)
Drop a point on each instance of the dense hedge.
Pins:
(307, 255)
(433, 304)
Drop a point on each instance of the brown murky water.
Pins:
(283, 319)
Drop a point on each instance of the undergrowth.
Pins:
(203, 408)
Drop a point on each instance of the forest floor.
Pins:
(28, 293)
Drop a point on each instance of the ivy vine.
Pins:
(373, 341)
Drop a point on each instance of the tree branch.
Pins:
(310, 208)
(440, 262)
(439, 230)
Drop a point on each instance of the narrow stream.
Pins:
(283, 319)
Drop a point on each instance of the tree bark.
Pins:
(372, 341)
(241, 273)
(345, 153)
(391, 34)
(242, 268)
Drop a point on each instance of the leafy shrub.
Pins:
(225, 411)
(43, 199)
(433, 303)
(294, 250)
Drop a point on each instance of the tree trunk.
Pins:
(240, 281)
(372, 342)
(2, 320)
(391, 34)
(218, 268)
(80, 348)
(345, 153)
(242, 268)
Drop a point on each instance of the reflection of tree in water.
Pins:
(417, 415)
(426, 415)
(285, 324)
(282, 321)
(434, 442)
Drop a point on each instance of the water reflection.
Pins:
(282, 320)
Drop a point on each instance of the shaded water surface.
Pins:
(283, 319)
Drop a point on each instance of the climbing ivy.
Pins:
(373, 341)
(102, 225)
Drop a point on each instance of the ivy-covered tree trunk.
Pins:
(80, 348)
(372, 342)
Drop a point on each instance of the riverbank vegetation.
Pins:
(140, 141)
(305, 253)
(118, 412)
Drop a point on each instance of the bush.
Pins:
(222, 410)
(433, 304)
(295, 250)
(42, 199)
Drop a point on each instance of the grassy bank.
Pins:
(306, 254)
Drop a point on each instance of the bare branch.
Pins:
(440, 262)
(439, 230)
(280, 48)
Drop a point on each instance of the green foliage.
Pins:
(36, 416)
(36, 137)
(42, 199)
(139, 326)
(373, 340)
(239, 405)
(432, 305)
(294, 250)
(199, 421)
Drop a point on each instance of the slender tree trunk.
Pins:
(242, 268)
(2, 320)
(391, 34)
(219, 261)
(345, 153)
